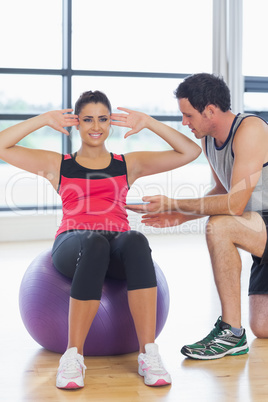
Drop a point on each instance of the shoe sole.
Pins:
(159, 383)
(70, 385)
(231, 352)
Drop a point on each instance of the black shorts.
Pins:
(258, 283)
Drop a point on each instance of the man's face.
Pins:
(197, 122)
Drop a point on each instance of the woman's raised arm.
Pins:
(34, 160)
(145, 163)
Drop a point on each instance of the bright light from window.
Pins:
(143, 35)
(30, 33)
(255, 34)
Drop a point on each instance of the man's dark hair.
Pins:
(205, 89)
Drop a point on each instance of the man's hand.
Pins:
(152, 204)
(164, 219)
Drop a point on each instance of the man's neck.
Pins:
(223, 127)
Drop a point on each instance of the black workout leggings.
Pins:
(89, 256)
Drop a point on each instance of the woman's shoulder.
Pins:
(118, 157)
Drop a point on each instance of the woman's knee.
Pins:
(135, 253)
(69, 250)
(91, 267)
(95, 243)
(65, 252)
(134, 240)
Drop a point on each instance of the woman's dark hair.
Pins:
(205, 89)
(91, 97)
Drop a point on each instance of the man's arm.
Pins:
(250, 147)
(175, 218)
(250, 153)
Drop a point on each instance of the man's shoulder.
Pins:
(250, 118)
(251, 134)
(251, 121)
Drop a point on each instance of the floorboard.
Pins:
(27, 371)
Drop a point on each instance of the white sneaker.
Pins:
(151, 367)
(71, 371)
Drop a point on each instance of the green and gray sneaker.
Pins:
(220, 342)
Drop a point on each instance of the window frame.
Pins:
(251, 84)
(259, 85)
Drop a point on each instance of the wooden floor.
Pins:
(27, 372)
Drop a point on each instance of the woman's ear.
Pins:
(78, 126)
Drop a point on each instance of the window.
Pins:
(255, 33)
(30, 94)
(255, 57)
(60, 48)
(31, 34)
(142, 35)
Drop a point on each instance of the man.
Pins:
(236, 147)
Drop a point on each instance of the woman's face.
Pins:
(94, 123)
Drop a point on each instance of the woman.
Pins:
(94, 238)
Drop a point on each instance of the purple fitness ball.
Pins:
(44, 304)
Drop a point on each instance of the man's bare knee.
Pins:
(258, 315)
(259, 329)
(216, 226)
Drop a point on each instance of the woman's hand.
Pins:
(58, 119)
(132, 119)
